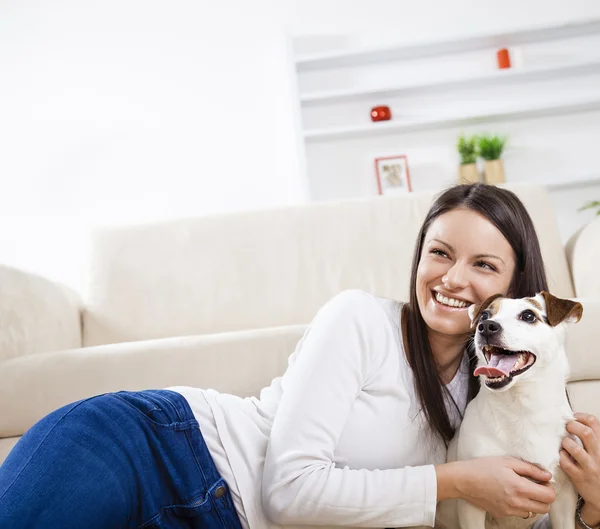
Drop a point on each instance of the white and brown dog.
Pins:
(522, 407)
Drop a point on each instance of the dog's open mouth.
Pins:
(503, 365)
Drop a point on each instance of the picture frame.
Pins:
(393, 175)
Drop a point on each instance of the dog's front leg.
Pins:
(469, 516)
(562, 511)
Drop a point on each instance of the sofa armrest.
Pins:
(583, 255)
(36, 315)
(583, 343)
(241, 363)
(583, 348)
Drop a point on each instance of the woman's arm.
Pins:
(582, 464)
(502, 486)
(301, 484)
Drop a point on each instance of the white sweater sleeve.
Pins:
(301, 484)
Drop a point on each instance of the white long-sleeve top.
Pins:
(340, 439)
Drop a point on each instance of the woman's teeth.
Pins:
(450, 302)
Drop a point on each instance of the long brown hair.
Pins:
(505, 211)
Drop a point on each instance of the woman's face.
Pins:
(465, 259)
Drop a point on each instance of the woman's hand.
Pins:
(504, 486)
(582, 464)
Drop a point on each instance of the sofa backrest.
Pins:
(583, 255)
(266, 268)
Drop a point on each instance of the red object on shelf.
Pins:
(503, 58)
(382, 113)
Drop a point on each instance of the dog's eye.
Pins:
(484, 315)
(528, 316)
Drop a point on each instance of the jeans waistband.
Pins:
(184, 414)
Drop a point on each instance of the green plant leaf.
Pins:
(467, 149)
(591, 205)
(491, 147)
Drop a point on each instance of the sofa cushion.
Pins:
(6, 445)
(241, 363)
(36, 315)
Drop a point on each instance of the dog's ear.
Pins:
(476, 309)
(559, 310)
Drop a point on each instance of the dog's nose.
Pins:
(489, 327)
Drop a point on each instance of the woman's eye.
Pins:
(528, 316)
(484, 315)
(486, 265)
(437, 251)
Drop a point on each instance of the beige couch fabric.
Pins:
(241, 363)
(583, 253)
(36, 315)
(6, 445)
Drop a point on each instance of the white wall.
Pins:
(336, 23)
(548, 149)
(126, 111)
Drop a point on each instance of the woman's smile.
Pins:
(449, 303)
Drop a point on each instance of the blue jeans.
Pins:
(120, 460)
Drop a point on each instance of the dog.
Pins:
(522, 407)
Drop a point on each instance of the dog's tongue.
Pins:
(499, 365)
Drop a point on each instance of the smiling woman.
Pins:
(474, 243)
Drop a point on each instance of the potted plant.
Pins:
(467, 150)
(490, 149)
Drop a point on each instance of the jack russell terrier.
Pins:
(522, 407)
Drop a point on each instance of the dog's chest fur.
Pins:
(504, 425)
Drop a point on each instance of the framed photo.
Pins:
(393, 176)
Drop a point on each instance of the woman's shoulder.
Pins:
(362, 304)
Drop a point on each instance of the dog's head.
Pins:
(518, 339)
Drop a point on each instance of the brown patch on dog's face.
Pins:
(559, 310)
(535, 303)
(491, 304)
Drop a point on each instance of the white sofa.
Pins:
(221, 301)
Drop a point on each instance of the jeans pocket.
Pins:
(152, 409)
(212, 510)
(198, 513)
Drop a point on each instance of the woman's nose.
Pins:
(455, 277)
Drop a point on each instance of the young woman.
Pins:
(353, 434)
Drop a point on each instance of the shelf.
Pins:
(491, 78)
(575, 182)
(357, 57)
(399, 126)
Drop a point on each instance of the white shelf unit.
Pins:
(447, 86)
(513, 74)
(383, 127)
(519, 37)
